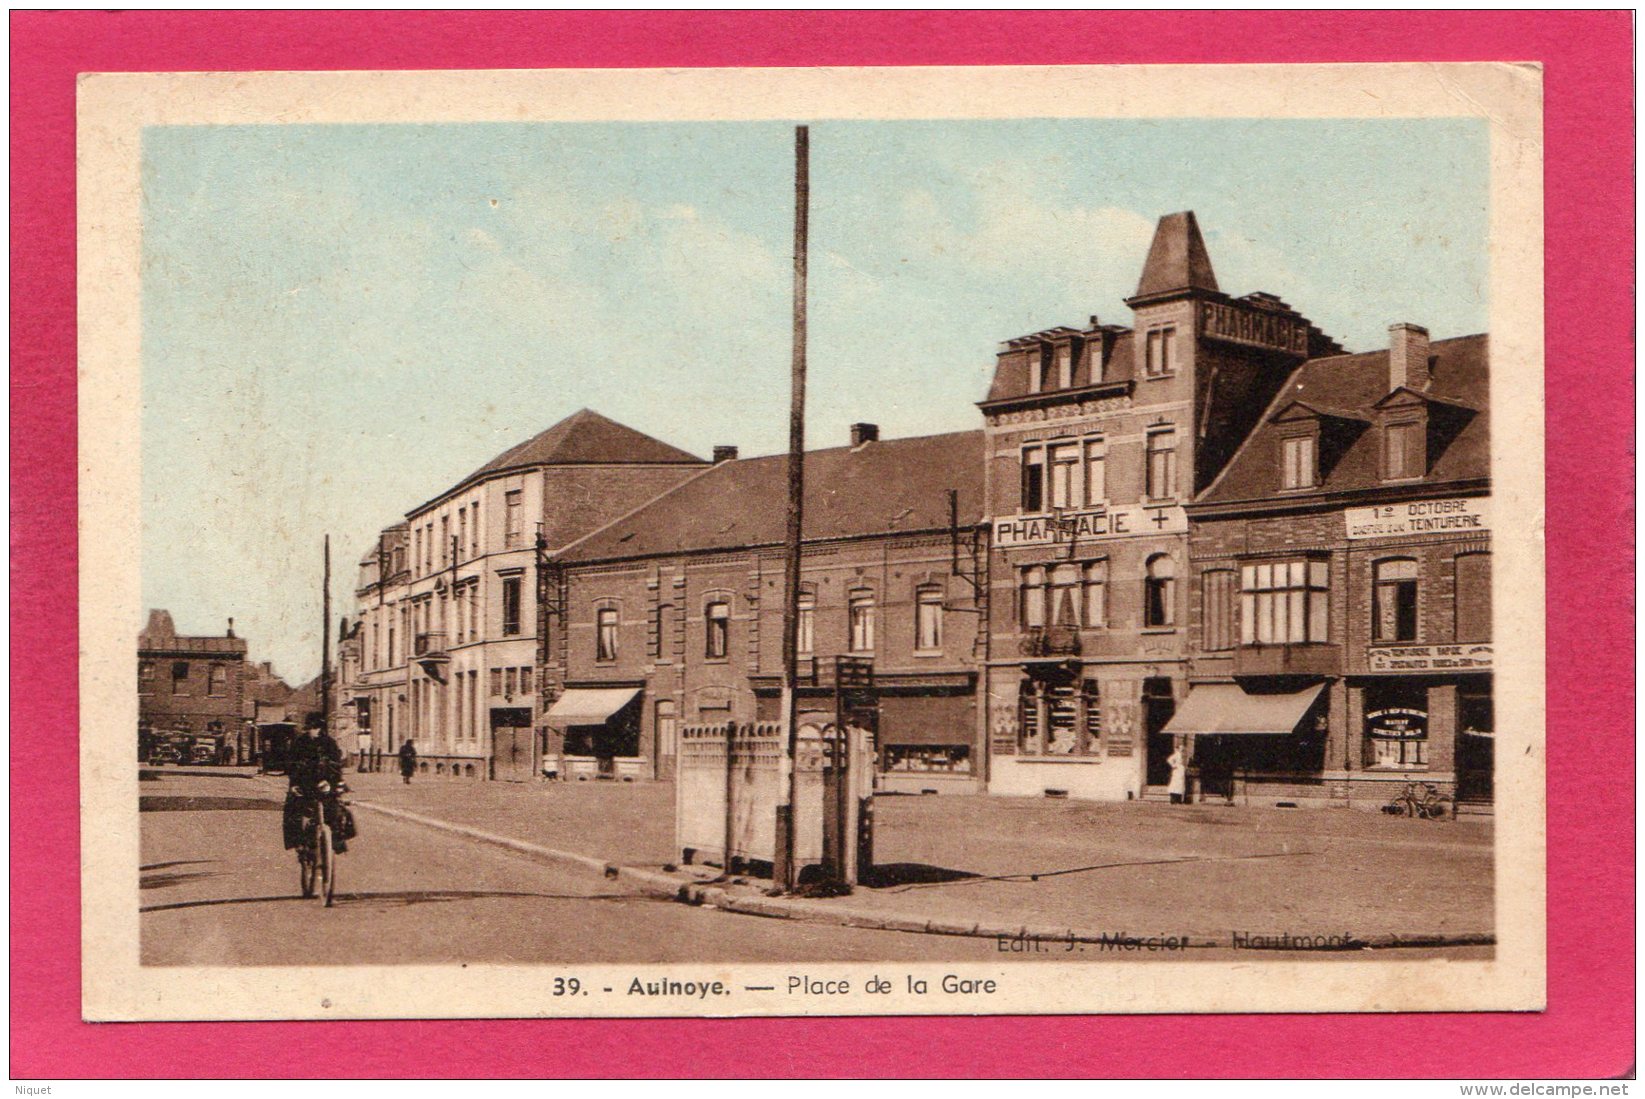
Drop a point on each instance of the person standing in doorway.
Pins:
(1178, 762)
(408, 761)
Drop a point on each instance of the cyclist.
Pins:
(315, 774)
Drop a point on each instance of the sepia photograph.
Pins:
(769, 544)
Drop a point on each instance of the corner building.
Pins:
(449, 628)
(1342, 586)
(1096, 438)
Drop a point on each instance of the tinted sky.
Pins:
(340, 321)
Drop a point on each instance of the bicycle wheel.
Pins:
(325, 861)
(1437, 808)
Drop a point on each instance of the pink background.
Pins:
(1588, 1027)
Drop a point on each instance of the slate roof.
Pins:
(583, 438)
(1177, 259)
(880, 487)
(1347, 390)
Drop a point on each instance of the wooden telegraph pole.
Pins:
(787, 825)
(325, 642)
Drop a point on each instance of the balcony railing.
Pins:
(432, 643)
(1292, 659)
(1051, 641)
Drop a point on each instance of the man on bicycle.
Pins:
(315, 774)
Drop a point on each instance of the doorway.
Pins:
(1158, 706)
(513, 758)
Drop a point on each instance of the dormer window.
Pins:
(1403, 453)
(1064, 359)
(1036, 371)
(1299, 461)
(1161, 352)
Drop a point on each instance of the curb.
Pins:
(658, 884)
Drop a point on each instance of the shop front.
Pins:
(596, 731)
(1242, 742)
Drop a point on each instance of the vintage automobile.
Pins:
(164, 752)
(204, 751)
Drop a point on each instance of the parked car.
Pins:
(164, 752)
(205, 752)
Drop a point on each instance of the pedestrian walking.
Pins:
(1178, 789)
(408, 761)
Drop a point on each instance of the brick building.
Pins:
(447, 601)
(189, 688)
(1341, 584)
(1096, 438)
(673, 614)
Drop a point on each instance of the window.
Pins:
(605, 634)
(474, 611)
(1300, 462)
(1394, 601)
(1396, 726)
(1284, 603)
(391, 658)
(445, 540)
(510, 681)
(145, 678)
(462, 529)
(1162, 352)
(1162, 464)
(527, 677)
(1473, 597)
(1032, 591)
(1065, 595)
(665, 634)
(1096, 594)
(805, 635)
(417, 541)
(1091, 726)
(1033, 479)
(1065, 471)
(928, 619)
(1036, 370)
(1096, 480)
(217, 682)
(511, 605)
(718, 617)
(1159, 592)
(496, 681)
(1064, 356)
(514, 518)
(474, 532)
(179, 677)
(1401, 451)
(861, 613)
(1217, 609)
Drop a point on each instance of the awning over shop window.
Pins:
(940, 720)
(590, 705)
(1224, 709)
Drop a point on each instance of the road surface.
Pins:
(217, 888)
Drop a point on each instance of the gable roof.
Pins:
(876, 488)
(1350, 388)
(1177, 259)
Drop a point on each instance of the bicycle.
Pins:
(1420, 799)
(316, 860)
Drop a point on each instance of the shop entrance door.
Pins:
(512, 758)
(1157, 708)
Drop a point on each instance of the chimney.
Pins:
(725, 454)
(864, 433)
(1407, 356)
(231, 627)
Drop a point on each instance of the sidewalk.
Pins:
(969, 862)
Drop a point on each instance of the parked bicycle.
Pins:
(1419, 799)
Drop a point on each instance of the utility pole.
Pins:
(325, 642)
(787, 824)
